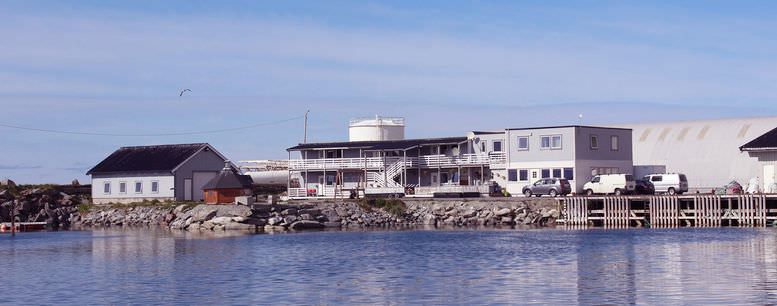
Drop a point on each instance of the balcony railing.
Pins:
(377, 163)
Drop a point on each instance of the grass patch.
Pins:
(85, 208)
(395, 207)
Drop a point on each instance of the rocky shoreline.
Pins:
(64, 211)
(327, 214)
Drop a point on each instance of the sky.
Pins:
(448, 67)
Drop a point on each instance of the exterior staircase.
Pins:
(386, 178)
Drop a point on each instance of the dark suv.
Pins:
(549, 186)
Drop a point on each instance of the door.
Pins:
(435, 178)
(187, 189)
(199, 179)
(535, 173)
(769, 179)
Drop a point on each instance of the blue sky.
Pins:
(448, 66)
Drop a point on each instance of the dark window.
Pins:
(122, 187)
(545, 173)
(524, 175)
(594, 142)
(138, 187)
(154, 186)
(569, 174)
(656, 178)
(512, 175)
(557, 173)
(523, 143)
(497, 146)
(106, 187)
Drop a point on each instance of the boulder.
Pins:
(254, 221)
(502, 212)
(289, 211)
(274, 221)
(469, 212)
(305, 224)
(289, 220)
(332, 224)
(234, 211)
(235, 226)
(207, 225)
(221, 220)
(201, 213)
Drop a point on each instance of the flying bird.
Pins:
(183, 91)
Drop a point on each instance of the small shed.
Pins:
(226, 186)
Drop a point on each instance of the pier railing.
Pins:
(670, 211)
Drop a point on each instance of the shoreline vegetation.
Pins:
(64, 211)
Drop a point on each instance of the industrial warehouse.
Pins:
(377, 160)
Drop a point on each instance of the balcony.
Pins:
(377, 163)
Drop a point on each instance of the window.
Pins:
(321, 154)
(557, 173)
(569, 174)
(122, 187)
(138, 187)
(555, 142)
(154, 187)
(614, 143)
(107, 187)
(550, 142)
(545, 173)
(595, 179)
(512, 175)
(594, 142)
(330, 180)
(483, 146)
(497, 145)
(523, 175)
(523, 143)
(656, 178)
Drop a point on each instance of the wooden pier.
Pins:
(669, 211)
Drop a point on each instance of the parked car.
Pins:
(643, 186)
(616, 184)
(669, 183)
(550, 186)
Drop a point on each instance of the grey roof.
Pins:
(569, 126)
(227, 179)
(156, 158)
(766, 141)
(379, 145)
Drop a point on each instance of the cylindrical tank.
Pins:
(270, 177)
(377, 128)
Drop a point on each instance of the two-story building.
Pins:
(574, 152)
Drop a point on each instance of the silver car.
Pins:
(550, 186)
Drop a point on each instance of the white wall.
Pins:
(515, 188)
(166, 191)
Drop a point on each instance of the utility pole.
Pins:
(305, 136)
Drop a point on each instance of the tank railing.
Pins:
(387, 120)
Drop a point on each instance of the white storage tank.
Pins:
(270, 177)
(377, 128)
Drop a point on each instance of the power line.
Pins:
(150, 135)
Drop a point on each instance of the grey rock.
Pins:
(305, 224)
(502, 212)
(203, 213)
(235, 226)
(332, 224)
(221, 220)
(289, 220)
(274, 221)
(289, 211)
(234, 211)
(254, 221)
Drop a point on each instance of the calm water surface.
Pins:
(546, 266)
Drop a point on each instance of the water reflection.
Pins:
(587, 266)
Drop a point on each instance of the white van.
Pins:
(616, 184)
(669, 183)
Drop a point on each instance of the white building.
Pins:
(706, 151)
(160, 172)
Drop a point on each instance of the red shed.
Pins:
(227, 185)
